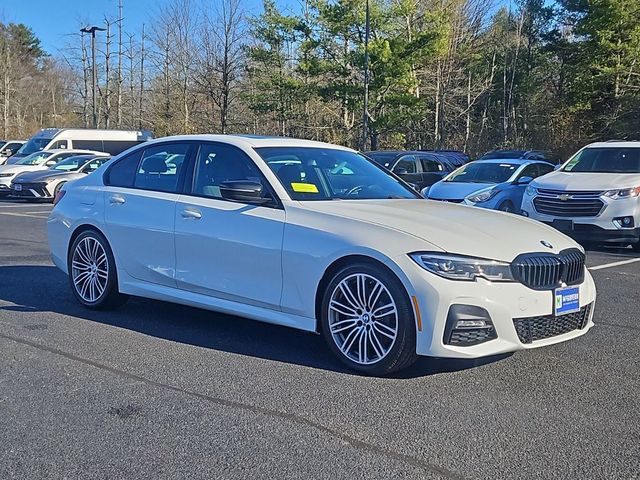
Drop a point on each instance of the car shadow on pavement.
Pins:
(40, 288)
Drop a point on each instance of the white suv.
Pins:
(594, 197)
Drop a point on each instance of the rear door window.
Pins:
(122, 173)
(161, 166)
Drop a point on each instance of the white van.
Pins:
(109, 141)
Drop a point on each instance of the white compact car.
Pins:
(36, 161)
(317, 237)
(594, 197)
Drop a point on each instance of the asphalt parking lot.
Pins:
(155, 390)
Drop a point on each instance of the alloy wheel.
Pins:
(90, 269)
(363, 318)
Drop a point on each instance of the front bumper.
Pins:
(37, 191)
(504, 303)
(593, 233)
(601, 229)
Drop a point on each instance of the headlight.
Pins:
(458, 267)
(6, 175)
(531, 191)
(482, 196)
(623, 193)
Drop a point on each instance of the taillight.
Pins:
(58, 197)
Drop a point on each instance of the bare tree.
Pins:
(220, 65)
(119, 80)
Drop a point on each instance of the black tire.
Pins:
(636, 246)
(402, 352)
(507, 206)
(110, 297)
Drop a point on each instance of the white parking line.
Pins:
(615, 264)
(24, 215)
(24, 205)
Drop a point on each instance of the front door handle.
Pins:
(191, 213)
(116, 200)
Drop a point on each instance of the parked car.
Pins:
(420, 169)
(314, 236)
(594, 197)
(8, 149)
(34, 162)
(109, 141)
(493, 184)
(45, 184)
(524, 154)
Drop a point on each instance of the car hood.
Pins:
(21, 168)
(455, 190)
(453, 228)
(43, 175)
(586, 181)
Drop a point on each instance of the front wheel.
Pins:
(368, 321)
(92, 272)
(507, 207)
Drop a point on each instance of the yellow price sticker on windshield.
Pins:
(304, 187)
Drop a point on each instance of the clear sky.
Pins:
(54, 20)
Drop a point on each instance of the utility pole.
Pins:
(94, 88)
(365, 113)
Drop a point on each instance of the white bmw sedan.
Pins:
(316, 237)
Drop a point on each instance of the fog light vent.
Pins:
(468, 325)
(624, 222)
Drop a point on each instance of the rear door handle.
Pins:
(116, 200)
(191, 213)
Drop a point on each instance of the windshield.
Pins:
(71, 163)
(37, 158)
(34, 145)
(605, 160)
(331, 174)
(480, 172)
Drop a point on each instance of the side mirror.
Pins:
(400, 171)
(50, 163)
(244, 191)
(524, 181)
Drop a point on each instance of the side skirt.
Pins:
(183, 297)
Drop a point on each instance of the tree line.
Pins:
(464, 74)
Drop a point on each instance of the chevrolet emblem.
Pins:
(564, 197)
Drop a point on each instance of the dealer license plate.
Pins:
(567, 300)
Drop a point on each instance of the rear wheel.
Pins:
(367, 320)
(92, 272)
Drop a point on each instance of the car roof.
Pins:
(253, 141)
(77, 151)
(515, 161)
(615, 144)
